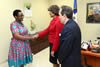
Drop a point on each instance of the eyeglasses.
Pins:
(20, 15)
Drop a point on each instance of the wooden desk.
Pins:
(93, 59)
(39, 44)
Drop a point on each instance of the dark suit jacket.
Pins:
(70, 43)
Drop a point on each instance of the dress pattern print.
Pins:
(19, 51)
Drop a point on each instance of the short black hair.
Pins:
(67, 11)
(15, 12)
(54, 9)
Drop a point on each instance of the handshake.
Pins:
(34, 37)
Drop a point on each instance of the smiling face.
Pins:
(19, 16)
(51, 14)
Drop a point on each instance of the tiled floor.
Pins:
(41, 59)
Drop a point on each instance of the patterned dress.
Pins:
(19, 51)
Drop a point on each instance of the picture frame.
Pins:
(93, 12)
(28, 9)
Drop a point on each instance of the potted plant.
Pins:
(32, 27)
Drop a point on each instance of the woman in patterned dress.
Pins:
(19, 52)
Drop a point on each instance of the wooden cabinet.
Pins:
(93, 59)
(39, 44)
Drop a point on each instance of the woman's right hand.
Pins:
(32, 37)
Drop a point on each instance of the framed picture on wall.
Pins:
(93, 13)
(28, 9)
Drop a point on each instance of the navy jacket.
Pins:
(69, 53)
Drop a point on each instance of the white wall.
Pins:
(40, 15)
(89, 31)
(62, 2)
(6, 9)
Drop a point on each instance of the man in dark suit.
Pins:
(69, 54)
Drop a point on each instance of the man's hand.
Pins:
(52, 53)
